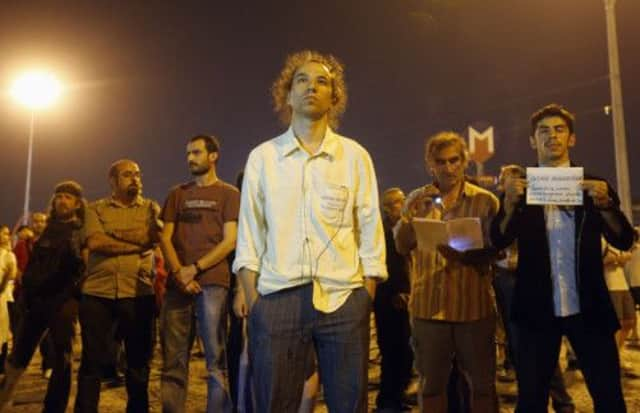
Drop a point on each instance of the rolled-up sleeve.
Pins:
(251, 221)
(372, 250)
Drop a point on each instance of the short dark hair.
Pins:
(114, 169)
(210, 142)
(552, 109)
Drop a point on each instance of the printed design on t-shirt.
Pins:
(191, 208)
(200, 204)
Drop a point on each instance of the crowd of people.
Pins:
(277, 276)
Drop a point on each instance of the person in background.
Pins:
(391, 308)
(22, 250)
(632, 272)
(614, 262)
(8, 271)
(48, 302)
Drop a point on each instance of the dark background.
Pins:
(143, 76)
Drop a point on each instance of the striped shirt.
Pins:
(450, 291)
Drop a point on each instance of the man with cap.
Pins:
(48, 300)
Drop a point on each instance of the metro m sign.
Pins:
(481, 144)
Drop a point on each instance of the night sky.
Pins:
(143, 76)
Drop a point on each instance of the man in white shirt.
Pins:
(310, 245)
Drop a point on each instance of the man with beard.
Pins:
(200, 231)
(48, 302)
(120, 233)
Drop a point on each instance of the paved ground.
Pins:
(32, 387)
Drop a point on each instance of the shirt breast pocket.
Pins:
(332, 202)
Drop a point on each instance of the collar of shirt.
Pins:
(465, 191)
(138, 201)
(288, 144)
(566, 164)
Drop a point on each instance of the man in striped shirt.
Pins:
(451, 306)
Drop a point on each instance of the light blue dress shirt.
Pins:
(560, 223)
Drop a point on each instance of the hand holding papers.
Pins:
(599, 192)
(461, 234)
(554, 186)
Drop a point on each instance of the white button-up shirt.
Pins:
(311, 218)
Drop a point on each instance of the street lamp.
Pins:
(617, 111)
(35, 90)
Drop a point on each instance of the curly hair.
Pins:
(441, 140)
(282, 85)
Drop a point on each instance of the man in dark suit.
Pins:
(560, 288)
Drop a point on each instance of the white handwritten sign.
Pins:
(554, 186)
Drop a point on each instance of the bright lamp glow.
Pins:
(36, 90)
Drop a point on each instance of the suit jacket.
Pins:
(533, 296)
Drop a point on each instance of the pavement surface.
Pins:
(31, 389)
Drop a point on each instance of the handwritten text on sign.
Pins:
(554, 186)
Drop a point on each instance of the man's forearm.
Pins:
(404, 237)
(170, 254)
(617, 228)
(105, 244)
(613, 220)
(249, 281)
(136, 237)
(371, 283)
(217, 254)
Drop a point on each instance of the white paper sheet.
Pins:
(460, 233)
(554, 186)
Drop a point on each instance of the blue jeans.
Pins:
(284, 328)
(178, 325)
